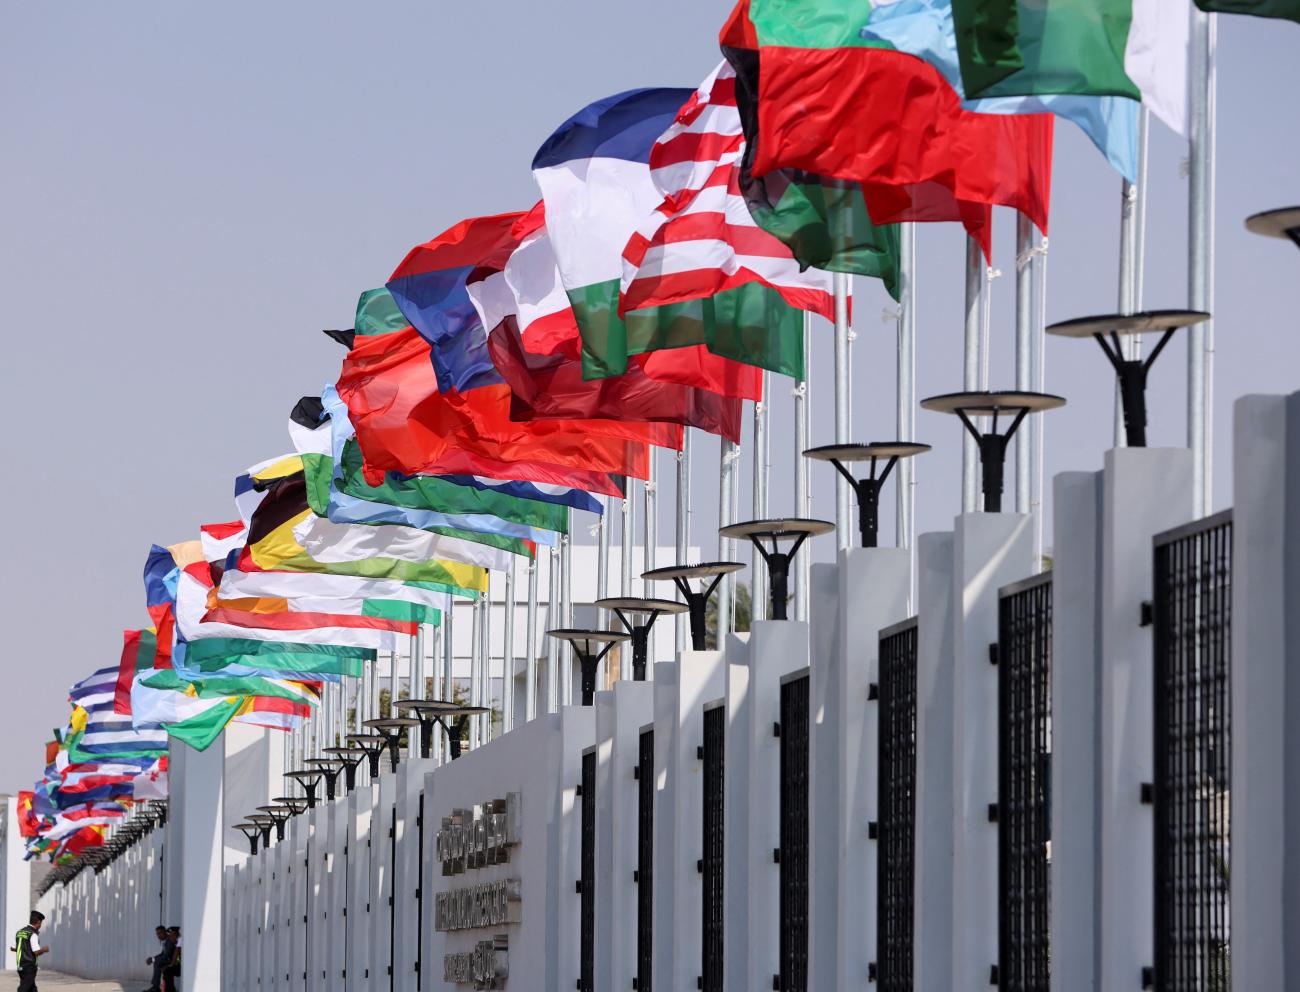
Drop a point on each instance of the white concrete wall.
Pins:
(15, 880)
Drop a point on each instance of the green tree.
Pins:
(742, 614)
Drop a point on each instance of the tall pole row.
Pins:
(729, 452)
(1132, 258)
(566, 613)
(508, 654)
(530, 639)
(802, 442)
(1024, 356)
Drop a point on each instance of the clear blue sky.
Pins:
(190, 192)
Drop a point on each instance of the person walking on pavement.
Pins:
(161, 959)
(28, 945)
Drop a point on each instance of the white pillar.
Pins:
(932, 933)
(197, 796)
(15, 891)
(735, 785)
(1075, 670)
(1265, 692)
(1145, 491)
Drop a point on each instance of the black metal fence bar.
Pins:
(1024, 660)
(645, 852)
(587, 887)
(793, 903)
(896, 808)
(713, 908)
(1192, 647)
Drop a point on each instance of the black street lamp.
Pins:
(265, 821)
(793, 529)
(390, 728)
(993, 446)
(330, 768)
(373, 745)
(697, 600)
(630, 609)
(582, 642)
(251, 831)
(308, 778)
(868, 489)
(351, 756)
(1281, 223)
(1131, 373)
(431, 712)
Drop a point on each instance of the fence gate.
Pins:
(645, 850)
(1024, 658)
(1192, 618)
(896, 808)
(587, 886)
(793, 907)
(715, 727)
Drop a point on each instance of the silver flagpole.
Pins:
(682, 534)
(1024, 356)
(1200, 268)
(530, 643)
(801, 467)
(971, 372)
(802, 442)
(905, 414)
(394, 682)
(649, 555)
(602, 554)
(553, 621)
(476, 694)
(359, 704)
(730, 451)
(625, 545)
(448, 665)
(761, 457)
(508, 654)
(1132, 252)
(485, 660)
(843, 404)
(566, 614)
(416, 679)
(1035, 424)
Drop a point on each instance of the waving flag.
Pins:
(834, 103)
(27, 821)
(594, 172)
(152, 782)
(139, 654)
(405, 424)
(701, 240)
(1129, 48)
(1287, 9)
(925, 28)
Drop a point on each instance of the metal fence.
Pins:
(1024, 658)
(896, 827)
(793, 903)
(587, 885)
(715, 728)
(645, 853)
(1192, 609)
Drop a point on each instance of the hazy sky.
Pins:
(190, 192)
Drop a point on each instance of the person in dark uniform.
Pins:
(28, 945)
(172, 969)
(162, 958)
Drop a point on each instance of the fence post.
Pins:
(990, 550)
(736, 806)
(1265, 776)
(1076, 551)
(1145, 491)
(933, 931)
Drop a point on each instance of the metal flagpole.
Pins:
(905, 414)
(682, 535)
(602, 554)
(1200, 267)
(1024, 358)
(359, 702)
(475, 670)
(448, 664)
(566, 616)
(1035, 424)
(552, 645)
(530, 643)
(730, 452)
(508, 654)
(762, 458)
(843, 405)
(1132, 252)
(802, 442)
(625, 546)
(415, 678)
(971, 371)
(485, 661)
(650, 535)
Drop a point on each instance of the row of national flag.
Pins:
(520, 366)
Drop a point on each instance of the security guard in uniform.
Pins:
(28, 946)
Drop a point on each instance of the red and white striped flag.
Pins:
(702, 240)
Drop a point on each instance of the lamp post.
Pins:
(590, 646)
(795, 530)
(390, 729)
(992, 445)
(630, 610)
(867, 490)
(697, 600)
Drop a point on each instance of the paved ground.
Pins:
(52, 981)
